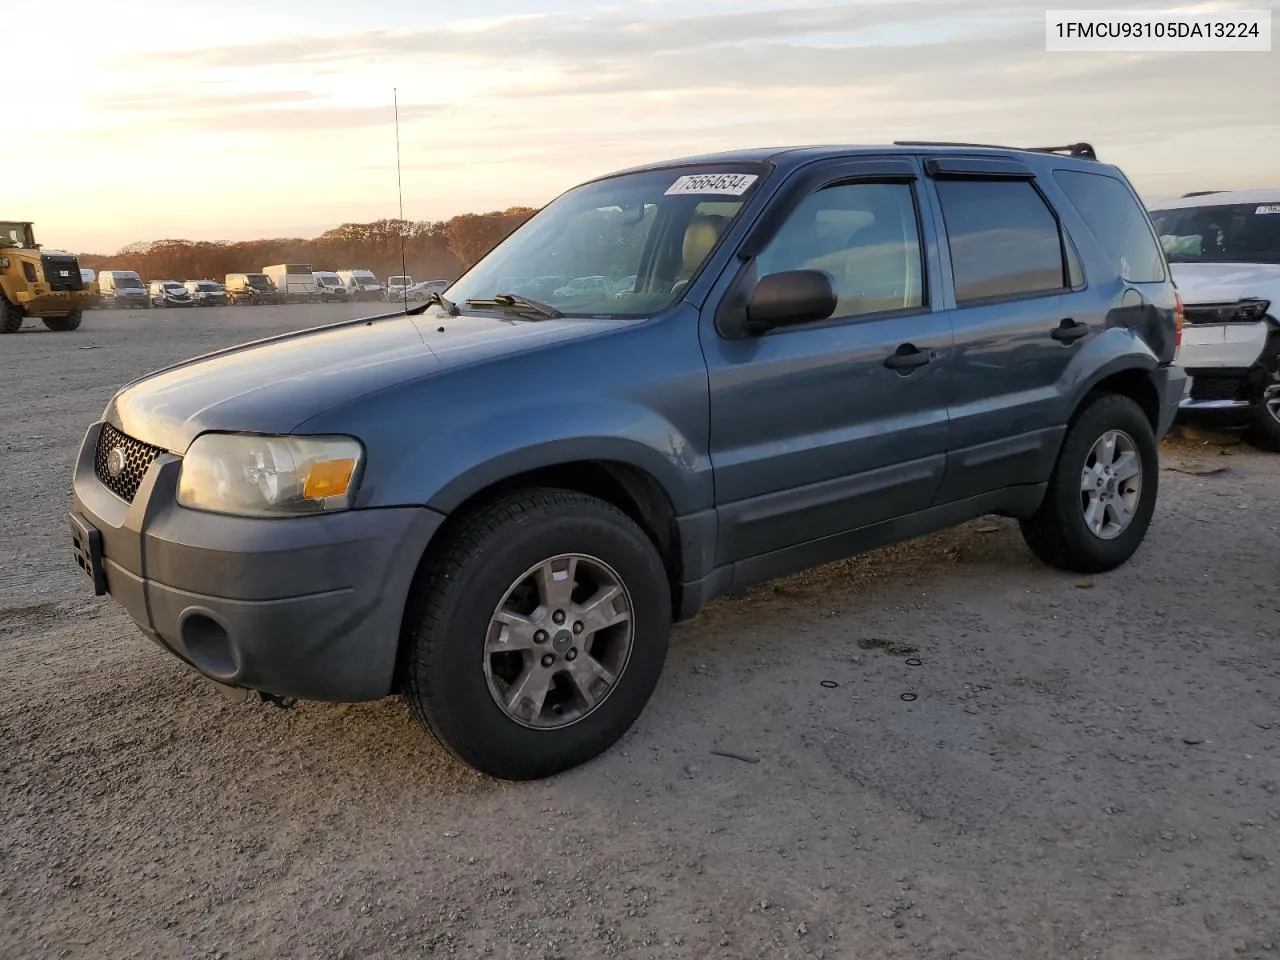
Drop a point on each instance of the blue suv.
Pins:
(497, 502)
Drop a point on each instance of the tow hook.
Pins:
(284, 703)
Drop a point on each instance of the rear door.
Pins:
(1013, 294)
(824, 427)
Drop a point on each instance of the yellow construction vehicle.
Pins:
(41, 284)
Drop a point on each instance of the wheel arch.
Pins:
(629, 487)
(1128, 376)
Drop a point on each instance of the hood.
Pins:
(273, 385)
(1227, 282)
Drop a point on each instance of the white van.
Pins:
(295, 281)
(331, 286)
(361, 284)
(123, 288)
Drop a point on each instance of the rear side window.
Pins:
(1119, 223)
(1004, 240)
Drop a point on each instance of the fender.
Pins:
(463, 457)
(1113, 351)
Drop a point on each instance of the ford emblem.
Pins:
(115, 462)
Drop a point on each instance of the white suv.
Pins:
(1224, 251)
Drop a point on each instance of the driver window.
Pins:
(864, 236)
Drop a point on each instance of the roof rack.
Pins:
(1084, 151)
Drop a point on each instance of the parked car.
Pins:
(253, 288)
(1224, 250)
(396, 287)
(498, 506)
(422, 290)
(169, 293)
(207, 293)
(330, 286)
(295, 281)
(361, 284)
(122, 288)
(585, 287)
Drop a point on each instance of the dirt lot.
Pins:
(1011, 762)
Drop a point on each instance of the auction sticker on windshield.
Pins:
(721, 184)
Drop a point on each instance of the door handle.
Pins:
(1068, 331)
(907, 357)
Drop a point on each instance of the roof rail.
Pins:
(1082, 150)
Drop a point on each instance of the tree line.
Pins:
(432, 250)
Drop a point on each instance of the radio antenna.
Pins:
(404, 273)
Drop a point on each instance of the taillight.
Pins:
(1179, 318)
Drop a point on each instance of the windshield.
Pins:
(175, 287)
(208, 287)
(259, 280)
(653, 229)
(128, 283)
(1225, 233)
(16, 235)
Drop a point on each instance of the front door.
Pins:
(817, 429)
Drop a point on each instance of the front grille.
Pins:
(54, 268)
(1216, 388)
(138, 456)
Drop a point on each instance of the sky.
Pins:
(155, 120)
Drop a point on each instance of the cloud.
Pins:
(150, 101)
(501, 111)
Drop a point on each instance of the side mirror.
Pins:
(790, 297)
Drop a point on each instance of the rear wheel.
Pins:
(537, 634)
(10, 316)
(1102, 493)
(65, 324)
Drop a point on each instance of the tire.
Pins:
(1057, 532)
(453, 685)
(10, 316)
(65, 324)
(1264, 426)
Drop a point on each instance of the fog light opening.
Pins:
(208, 645)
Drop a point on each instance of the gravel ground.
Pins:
(1011, 763)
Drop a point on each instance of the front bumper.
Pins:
(306, 607)
(44, 302)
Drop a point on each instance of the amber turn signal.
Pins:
(328, 478)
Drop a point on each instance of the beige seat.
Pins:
(700, 238)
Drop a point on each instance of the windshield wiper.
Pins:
(515, 302)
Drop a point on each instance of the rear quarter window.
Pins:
(1118, 221)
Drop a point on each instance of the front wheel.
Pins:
(10, 316)
(537, 633)
(65, 324)
(1102, 492)
(1264, 431)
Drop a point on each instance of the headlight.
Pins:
(260, 476)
